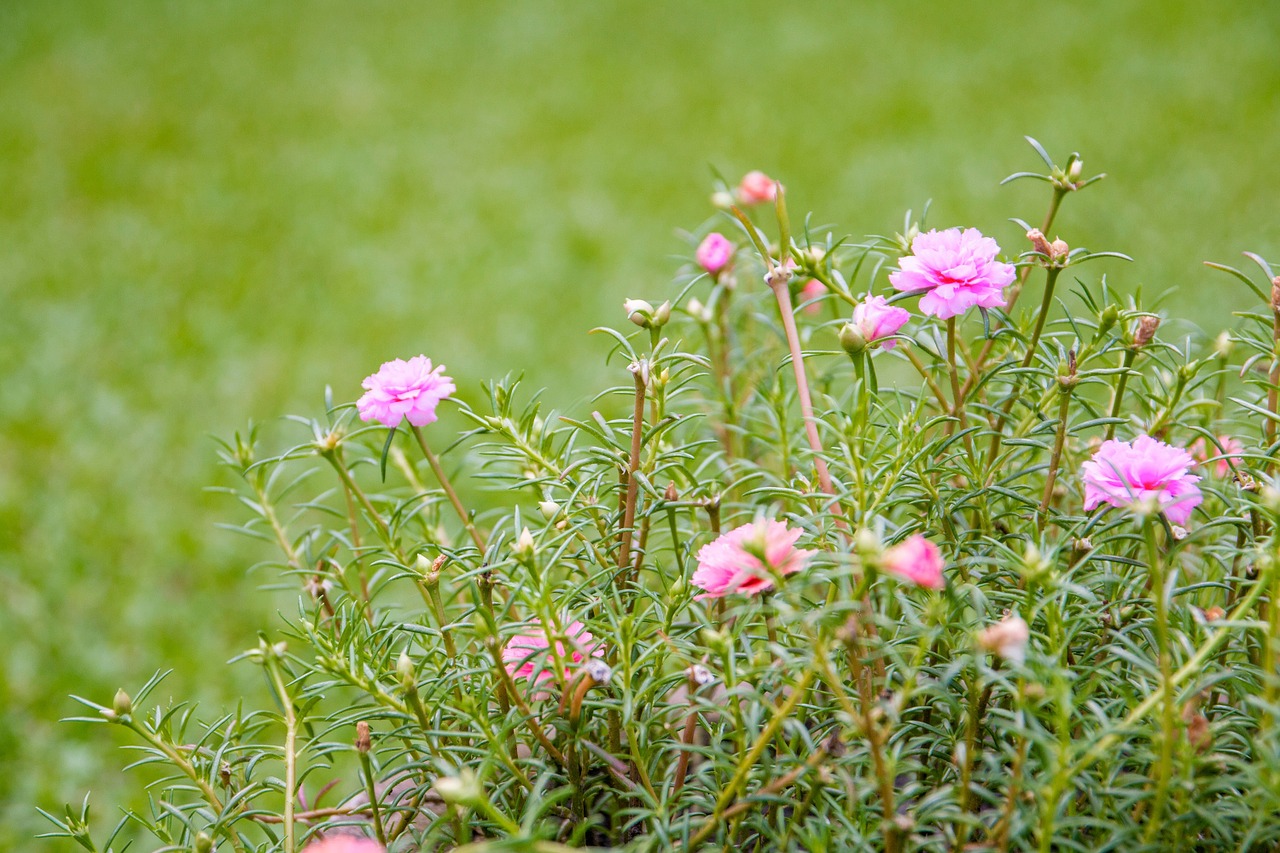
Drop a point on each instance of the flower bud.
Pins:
(1039, 243)
(1275, 293)
(122, 704)
(698, 311)
(598, 671)
(1223, 345)
(852, 340)
(639, 312)
(721, 200)
(699, 676)
(662, 314)
(1075, 170)
(364, 742)
(204, 844)
(1108, 319)
(404, 668)
(671, 495)
(549, 509)
(461, 790)
(1007, 638)
(1147, 326)
(1058, 250)
(524, 546)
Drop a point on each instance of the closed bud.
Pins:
(1108, 319)
(364, 742)
(671, 495)
(1075, 170)
(549, 510)
(1147, 326)
(722, 200)
(1058, 250)
(204, 844)
(1223, 345)
(524, 546)
(1275, 293)
(1007, 638)
(404, 668)
(662, 314)
(639, 312)
(461, 790)
(852, 340)
(698, 311)
(122, 704)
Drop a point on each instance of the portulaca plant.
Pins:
(918, 542)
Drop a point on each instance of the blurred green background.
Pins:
(210, 210)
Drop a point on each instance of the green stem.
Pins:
(443, 479)
(290, 751)
(1055, 460)
(1126, 363)
(1167, 718)
(371, 792)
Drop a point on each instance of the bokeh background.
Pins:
(211, 210)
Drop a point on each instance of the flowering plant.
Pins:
(976, 575)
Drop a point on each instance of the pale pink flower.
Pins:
(1202, 451)
(918, 560)
(714, 252)
(756, 188)
(404, 389)
(875, 318)
(956, 270)
(1123, 473)
(1007, 638)
(529, 656)
(746, 558)
(811, 291)
(344, 844)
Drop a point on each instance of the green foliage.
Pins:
(846, 708)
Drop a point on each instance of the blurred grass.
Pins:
(208, 211)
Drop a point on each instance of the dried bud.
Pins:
(1007, 638)
(1179, 533)
(1198, 734)
(122, 704)
(1058, 250)
(1039, 243)
(699, 676)
(671, 495)
(1213, 614)
(598, 671)
(852, 340)
(1275, 293)
(1147, 326)
(363, 741)
(639, 312)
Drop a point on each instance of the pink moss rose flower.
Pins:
(528, 655)
(812, 290)
(956, 270)
(916, 559)
(1202, 451)
(745, 559)
(344, 844)
(714, 252)
(1123, 473)
(756, 188)
(404, 389)
(875, 318)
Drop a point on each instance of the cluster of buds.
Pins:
(644, 315)
(1069, 179)
(1055, 254)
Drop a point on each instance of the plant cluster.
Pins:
(863, 552)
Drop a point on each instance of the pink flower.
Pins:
(957, 269)
(875, 318)
(918, 560)
(528, 655)
(714, 252)
(344, 844)
(1123, 473)
(404, 389)
(1202, 452)
(812, 290)
(756, 188)
(745, 559)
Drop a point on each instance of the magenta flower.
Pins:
(812, 290)
(344, 844)
(714, 252)
(1123, 473)
(757, 188)
(404, 389)
(746, 558)
(916, 559)
(875, 318)
(1202, 452)
(956, 270)
(528, 655)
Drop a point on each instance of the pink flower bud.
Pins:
(1007, 638)
(757, 188)
(714, 252)
(875, 319)
(918, 560)
(812, 291)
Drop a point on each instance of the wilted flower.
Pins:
(714, 252)
(812, 290)
(344, 844)
(756, 188)
(404, 389)
(746, 558)
(956, 270)
(1123, 473)
(528, 655)
(1202, 452)
(918, 560)
(875, 318)
(1007, 638)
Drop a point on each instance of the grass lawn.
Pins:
(208, 211)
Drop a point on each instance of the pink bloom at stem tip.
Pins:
(745, 559)
(916, 559)
(1202, 451)
(875, 318)
(812, 291)
(344, 844)
(528, 655)
(714, 252)
(956, 270)
(1123, 473)
(404, 389)
(756, 188)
